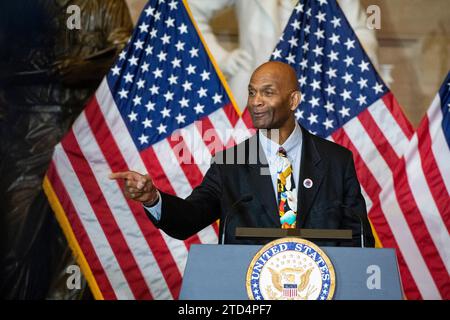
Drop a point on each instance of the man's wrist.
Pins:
(152, 202)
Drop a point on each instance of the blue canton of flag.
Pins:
(336, 77)
(164, 79)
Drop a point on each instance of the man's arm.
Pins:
(179, 218)
(356, 205)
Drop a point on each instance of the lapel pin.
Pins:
(307, 183)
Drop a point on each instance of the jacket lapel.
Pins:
(261, 180)
(310, 168)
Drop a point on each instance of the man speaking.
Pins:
(281, 177)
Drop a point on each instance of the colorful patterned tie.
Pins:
(287, 192)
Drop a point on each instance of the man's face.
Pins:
(268, 100)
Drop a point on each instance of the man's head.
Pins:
(273, 96)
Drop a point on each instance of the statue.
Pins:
(47, 74)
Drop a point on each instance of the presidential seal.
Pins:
(290, 269)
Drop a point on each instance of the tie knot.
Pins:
(282, 152)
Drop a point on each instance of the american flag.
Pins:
(345, 100)
(163, 110)
(289, 290)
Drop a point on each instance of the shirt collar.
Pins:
(292, 142)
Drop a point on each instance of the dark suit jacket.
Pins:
(326, 205)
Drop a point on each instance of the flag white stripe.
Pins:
(407, 244)
(425, 202)
(122, 213)
(220, 120)
(91, 225)
(439, 144)
(194, 142)
(241, 132)
(118, 129)
(391, 209)
(389, 126)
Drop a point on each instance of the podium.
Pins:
(218, 272)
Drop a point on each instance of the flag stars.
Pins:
(168, 96)
(318, 51)
(165, 112)
(123, 94)
(191, 69)
(145, 67)
(328, 123)
(139, 44)
(173, 5)
(293, 41)
(317, 67)
(334, 39)
(347, 77)
(133, 61)
(143, 27)
(143, 139)
(350, 44)
(162, 56)
(149, 11)
(165, 39)
(319, 34)
(187, 86)
(296, 25)
(299, 114)
(348, 61)
(182, 28)
(346, 94)
(217, 98)
(344, 112)
(314, 102)
(330, 89)
(333, 56)
(329, 106)
(304, 64)
(184, 102)
(312, 119)
(205, 75)
(320, 16)
(150, 106)
(176, 63)
(302, 81)
(331, 73)
(162, 128)
(157, 16)
(128, 77)
(158, 73)
(202, 92)
(364, 65)
(315, 85)
(362, 100)
(276, 54)
(170, 22)
(173, 79)
(199, 108)
(290, 58)
(378, 88)
(148, 50)
(193, 52)
(180, 118)
(147, 123)
(122, 55)
(115, 71)
(362, 83)
(154, 89)
(180, 45)
(137, 100)
(133, 116)
(153, 33)
(336, 22)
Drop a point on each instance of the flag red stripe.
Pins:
(433, 174)
(81, 235)
(209, 135)
(376, 214)
(231, 113)
(117, 163)
(419, 230)
(105, 217)
(396, 111)
(246, 117)
(381, 143)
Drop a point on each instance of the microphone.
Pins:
(245, 198)
(361, 224)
